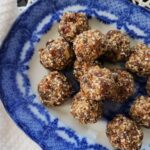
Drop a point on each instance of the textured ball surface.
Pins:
(148, 86)
(124, 134)
(72, 24)
(81, 68)
(140, 111)
(118, 46)
(139, 61)
(98, 83)
(57, 55)
(125, 85)
(85, 110)
(89, 45)
(54, 89)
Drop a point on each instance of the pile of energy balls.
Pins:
(79, 47)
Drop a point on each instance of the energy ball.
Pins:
(81, 67)
(98, 83)
(118, 46)
(54, 89)
(140, 111)
(57, 55)
(72, 24)
(125, 85)
(139, 61)
(89, 45)
(124, 134)
(148, 86)
(85, 110)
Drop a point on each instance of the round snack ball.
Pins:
(140, 111)
(139, 61)
(125, 85)
(54, 89)
(98, 83)
(148, 86)
(85, 110)
(57, 55)
(81, 67)
(124, 134)
(118, 46)
(72, 24)
(89, 45)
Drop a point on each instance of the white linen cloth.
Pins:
(11, 137)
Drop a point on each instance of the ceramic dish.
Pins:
(20, 71)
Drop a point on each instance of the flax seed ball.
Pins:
(98, 83)
(125, 85)
(140, 111)
(118, 46)
(85, 110)
(148, 86)
(72, 24)
(124, 134)
(89, 45)
(54, 89)
(81, 67)
(139, 61)
(57, 55)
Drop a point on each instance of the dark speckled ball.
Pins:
(72, 24)
(54, 89)
(118, 46)
(124, 134)
(86, 110)
(140, 111)
(148, 86)
(139, 61)
(89, 45)
(57, 55)
(98, 83)
(124, 83)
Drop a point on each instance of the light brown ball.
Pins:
(139, 61)
(72, 24)
(54, 89)
(148, 86)
(89, 45)
(85, 110)
(140, 111)
(81, 67)
(98, 83)
(125, 85)
(124, 134)
(57, 55)
(118, 46)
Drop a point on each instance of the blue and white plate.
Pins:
(20, 71)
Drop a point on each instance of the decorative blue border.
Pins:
(134, 20)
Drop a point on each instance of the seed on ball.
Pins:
(54, 89)
(98, 83)
(118, 46)
(89, 45)
(124, 134)
(81, 67)
(72, 24)
(85, 110)
(140, 111)
(139, 61)
(125, 85)
(148, 86)
(57, 55)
